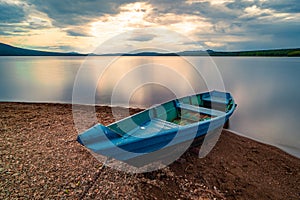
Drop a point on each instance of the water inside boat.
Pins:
(188, 117)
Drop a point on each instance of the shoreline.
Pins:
(281, 147)
(287, 149)
(39, 159)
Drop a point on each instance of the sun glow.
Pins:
(131, 16)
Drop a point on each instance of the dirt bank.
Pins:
(40, 159)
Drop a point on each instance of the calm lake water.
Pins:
(265, 89)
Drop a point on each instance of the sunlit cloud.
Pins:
(74, 25)
(212, 2)
(256, 11)
(188, 25)
(214, 44)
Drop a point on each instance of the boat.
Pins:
(143, 137)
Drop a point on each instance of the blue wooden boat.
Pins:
(167, 125)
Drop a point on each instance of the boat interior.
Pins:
(176, 113)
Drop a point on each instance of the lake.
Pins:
(266, 89)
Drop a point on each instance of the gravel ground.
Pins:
(40, 159)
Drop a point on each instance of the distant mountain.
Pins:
(195, 53)
(7, 50)
(274, 52)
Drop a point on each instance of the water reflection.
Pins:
(151, 92)
(266, 89)
(45, 79)
(127, 74)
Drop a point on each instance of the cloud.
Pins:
(255, 12)
(11, 13)
(76, 12)
(214, 44)
(281, 34)
(78, 32)
(142, 37)
(55, 48)
(13, 32)
(216, 24)
(10, 29)
(212, 2)
(35, 22)
(63, 48)
(286, 6)
(202, 8)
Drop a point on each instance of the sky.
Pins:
(84, 26)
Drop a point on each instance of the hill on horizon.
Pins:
(8, 50)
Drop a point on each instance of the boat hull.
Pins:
(152, 137)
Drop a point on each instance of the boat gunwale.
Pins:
(175, 101)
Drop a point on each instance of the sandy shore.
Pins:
(41, 160)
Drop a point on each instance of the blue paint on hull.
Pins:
(159, 134)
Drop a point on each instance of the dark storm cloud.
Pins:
(76, 12)
(11, 13)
